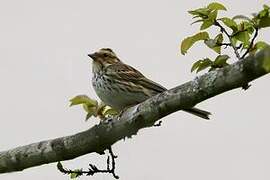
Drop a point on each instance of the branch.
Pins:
(108, 132)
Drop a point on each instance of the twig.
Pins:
(222, 29)
(158, 124)
(93, 168)
(224, 44)
(251, 43)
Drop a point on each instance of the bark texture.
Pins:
(101, 136)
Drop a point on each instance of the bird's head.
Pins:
(103, 58)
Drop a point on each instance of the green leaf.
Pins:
(241, 17)
(196, 65)
(110, 112)
(220, 61)
(206, 24)
(219, 39)
(76, 174)
(200, 20)
(264, 22)
(230, 23)
(264, 56)
(243, 37)
(189, 41)
(261, 45)
(265, 6)
(83, 99)
(216, 6)
(205, 63)
(201, 65)
(258, 46)
(201, 12)
(211, 43)
(213, 15)
(214, 44)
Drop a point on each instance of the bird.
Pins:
(121, 86)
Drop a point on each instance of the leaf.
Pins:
(219, 39)
(201, 65)
(264, 22)
(206, 24)
(230, 23)
(216, 6)
(196, 65)
(243, 37)
(83, 99)
(76, 173)
(261, 45)
(60, 167)
(110, 112)
(242, 17)
(200, 20)
(258, 46)
(211, 43)
(265, 57)
(189, 41)
(205, 63)
(220, 61)
(214, 43)
(201, 12)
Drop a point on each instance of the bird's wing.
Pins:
(126, 72)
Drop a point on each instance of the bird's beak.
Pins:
(93, 56)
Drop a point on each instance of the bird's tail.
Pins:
(198, 112)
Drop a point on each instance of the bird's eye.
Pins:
(105, 55)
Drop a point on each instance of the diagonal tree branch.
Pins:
(108, 132)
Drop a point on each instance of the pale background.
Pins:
(44, 46)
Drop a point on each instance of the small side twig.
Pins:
(93, 169)
(158, 124)
(251, 43)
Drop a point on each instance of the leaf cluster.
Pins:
(239, 31)
(92, 107)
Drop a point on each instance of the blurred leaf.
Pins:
(261, 45)
(266, 58)
(110, 112)
(76, 174)
(205, 63)
(60, 167)
(243, 37)
(230, 23)
(213, 15)
(206, 24)
(200, 20)
(264, 22)
(242, 17)
(196, 65)
(220, 61)
(210, 43)
(189, 41)
(201, 12)
(83, 99)
(216, 6)
(214, 44)
(258, 46)
(201, 65)
(219, 39)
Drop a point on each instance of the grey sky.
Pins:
(44, 46)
